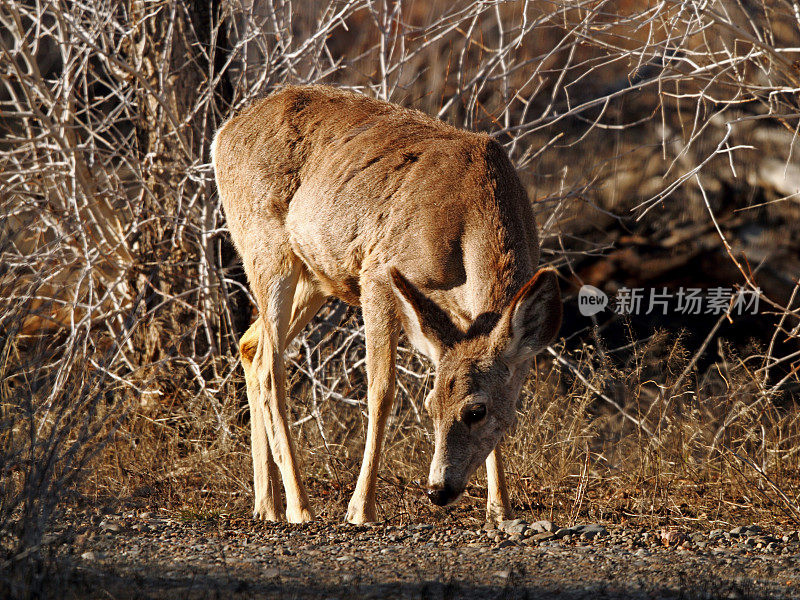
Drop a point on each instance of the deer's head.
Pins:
(479, 373)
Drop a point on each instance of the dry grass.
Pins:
(572, 457)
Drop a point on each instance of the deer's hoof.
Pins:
(263, 514)
(299, 515)
(359, 515)
(495, 514)
(264, 508)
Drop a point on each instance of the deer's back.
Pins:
(358, 184)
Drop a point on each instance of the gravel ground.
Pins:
(149, 556)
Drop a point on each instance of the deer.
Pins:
(331, 193)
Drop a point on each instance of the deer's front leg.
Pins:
(498, 507)
(381, 339)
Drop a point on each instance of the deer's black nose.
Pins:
(443, 495)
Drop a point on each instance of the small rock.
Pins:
(517, 529)
(505, 544)
(545, 535)
(592, 531)
(578, 528)
(547, 525)
(89, 555)
(513, 526)
(560, 533)
(542, 526)
(715, 533)
(737, 531)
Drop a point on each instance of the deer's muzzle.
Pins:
(443, 495)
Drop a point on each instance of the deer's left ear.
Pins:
(426, 323)
(532, 319)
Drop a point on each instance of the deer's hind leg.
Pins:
(268, 503)
(287, 299)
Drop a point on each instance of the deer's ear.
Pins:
(532, 319)
(427, 326)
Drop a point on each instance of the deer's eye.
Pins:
(474, 413)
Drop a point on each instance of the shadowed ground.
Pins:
(235, 558)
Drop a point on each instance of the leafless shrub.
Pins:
(60, 401)
(118, 281)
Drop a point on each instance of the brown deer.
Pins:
(331, 193)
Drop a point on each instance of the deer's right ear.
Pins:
(427, 326)
(532, 319)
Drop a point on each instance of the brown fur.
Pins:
(331, 193)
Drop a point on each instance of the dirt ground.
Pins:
(158, 555)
